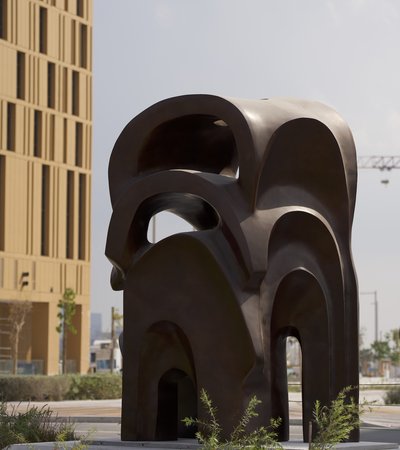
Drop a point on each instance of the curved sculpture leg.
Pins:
(300, 310)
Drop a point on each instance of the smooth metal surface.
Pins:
(270, 259)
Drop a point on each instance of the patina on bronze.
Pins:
(270, 187)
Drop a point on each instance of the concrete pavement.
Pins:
(379, 414)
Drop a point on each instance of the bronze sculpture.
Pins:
(270, 187)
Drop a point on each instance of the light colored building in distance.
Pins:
(100, 356)
(45, 174)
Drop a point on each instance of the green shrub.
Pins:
(33, 388)
(209, 435)
(60, 387)
(335, 422)
(33, 425)
(95, 387)
(392, 396)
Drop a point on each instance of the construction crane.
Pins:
(378, 162)
(383, 163)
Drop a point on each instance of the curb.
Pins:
(88, 419)
(117, 419)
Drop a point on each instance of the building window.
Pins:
(65, 141)
(83, 42)
(11, 126)
(21, 75)
(70, 215)
(73, 41)
(37, 133)
(75, 93)
(65, 90)
(79, 8)
(82, 217)
(51, 85)
(52, 136)
(3, 19)
(79, 145)
(45, 228)
(42, 30)
(2, 199)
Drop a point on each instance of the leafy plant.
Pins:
(66, 313)
(335, 422)
(34, 425)
(94, 387)
(209, 434)
(392, 396)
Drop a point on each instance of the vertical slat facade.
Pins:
(44, 43)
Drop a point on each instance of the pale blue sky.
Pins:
(341, 52)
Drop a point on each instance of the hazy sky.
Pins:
(342, 52)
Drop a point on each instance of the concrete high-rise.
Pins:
(45, 172)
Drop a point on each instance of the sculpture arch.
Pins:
(167, 368)
(300, 310)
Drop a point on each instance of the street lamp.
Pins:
(375, 294)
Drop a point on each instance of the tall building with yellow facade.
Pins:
(45, 174)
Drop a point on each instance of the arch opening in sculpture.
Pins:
(177, 399)
(167, 387)
(192, 209)
(165, 224)
(196, 142)
(294, 371)
(300, 311)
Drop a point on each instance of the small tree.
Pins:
(381, 349)
(17, 315)
(66, 313)
(388, 348)
(395, 353)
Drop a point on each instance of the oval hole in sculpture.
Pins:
(199, 142)
(165, 224)
(175, 213)
(293, 369)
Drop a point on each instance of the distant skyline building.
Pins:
(96, 326)
(45, 173)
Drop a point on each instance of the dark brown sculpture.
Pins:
(270, 187)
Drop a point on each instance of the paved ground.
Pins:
(75, 408)
(385, 415)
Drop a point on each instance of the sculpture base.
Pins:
(191, 444)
